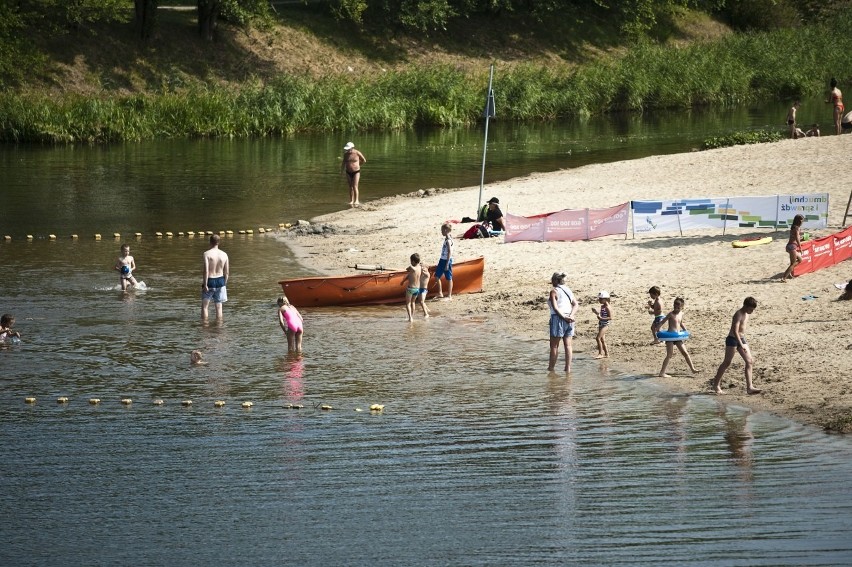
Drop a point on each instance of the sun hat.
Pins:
(348, 146)
(603, 295)
(494, 200)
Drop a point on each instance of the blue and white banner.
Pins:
(775, 211)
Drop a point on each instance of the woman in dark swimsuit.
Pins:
(794, 246)
(836, 97)
(352, 160)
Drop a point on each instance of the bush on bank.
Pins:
(735, 70)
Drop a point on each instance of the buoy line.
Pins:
(160, 234)
(187, 403)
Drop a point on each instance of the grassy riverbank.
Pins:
(729, 69)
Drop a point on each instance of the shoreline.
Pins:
(801, 347)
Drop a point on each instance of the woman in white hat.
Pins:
(352, 160)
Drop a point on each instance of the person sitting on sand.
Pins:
(813, 131)
(494, 216)
(675, 323)
(735, 342)
(847, 292)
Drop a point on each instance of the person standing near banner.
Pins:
(794, 246)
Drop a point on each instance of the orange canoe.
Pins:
(375, 288)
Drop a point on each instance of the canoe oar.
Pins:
(375, 268)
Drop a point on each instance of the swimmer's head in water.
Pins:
(195, 357)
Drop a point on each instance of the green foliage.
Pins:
(245, 12)
(740, 139)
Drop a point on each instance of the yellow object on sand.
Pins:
(751, 242)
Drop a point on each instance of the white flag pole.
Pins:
(489, 112)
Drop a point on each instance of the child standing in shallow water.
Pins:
(655, 308)
(424, 289)
(291, 323)
(412, 278)
(675, 322)
(125, 264)
(604, 317)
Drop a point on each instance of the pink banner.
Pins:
(606, 222)
(523, 228)
(568, 225)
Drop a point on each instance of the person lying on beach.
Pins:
(735, 342)
(675, 323)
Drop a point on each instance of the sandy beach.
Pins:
(802, 348)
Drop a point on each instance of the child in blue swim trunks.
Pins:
(655, 308)
(412, 278)
(125, 264)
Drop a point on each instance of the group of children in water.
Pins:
(563, 307)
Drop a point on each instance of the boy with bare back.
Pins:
(215, 273)
(675, 323)
(412, 277)
(424, 289)
(655, 308)
(735, 342)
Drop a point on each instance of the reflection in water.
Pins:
(293, 367)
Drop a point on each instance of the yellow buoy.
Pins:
(169, 234)
(51, 236)
(74, 237)
(94, 401)
(7, 237)
(62, 400)
(29, 237)
(282, 225)
(261, 230)
(269, 230)
(358, 409)
(247, 404)
(186, 403)
(126, 401)
(181, 233)
(158, 402)
(97, 236)
(377, 407)
(138, 235)
(158, 234)
(242, 232)
(249, 231)
(30, 400)
(209, 233)
(325, 407)
(116, 235)
(229, 232)
(218, 403)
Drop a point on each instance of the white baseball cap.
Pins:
(603, 295)
(348, 146)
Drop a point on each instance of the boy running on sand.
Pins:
(655, 308)
(675, 322)
(125, 264)
(412, 279)
(736, 342)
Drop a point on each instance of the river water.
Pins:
(480, 456)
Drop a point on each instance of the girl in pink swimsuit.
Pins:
(291, 323)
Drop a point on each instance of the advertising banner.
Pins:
(843, 245)
(522, 228)
(568, 225)
(774, 211)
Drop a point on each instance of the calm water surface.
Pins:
(480, 456)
